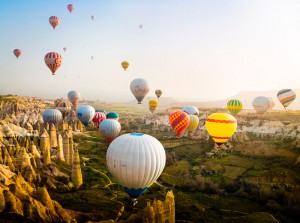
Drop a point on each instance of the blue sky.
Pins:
(191, 50)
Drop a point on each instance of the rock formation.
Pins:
(76, 175)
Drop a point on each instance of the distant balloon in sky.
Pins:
(153, 103)
(234, 106)
(92, 57)
(85, 114)
(54, 21)
(52, 116)
(70, 8)
(140, 26)
(158, 93)
(286, 97)
(140, 168)
(125, 64)
(112, 115)
(53, 60)
(109, 129)
(74, 97)
(92, 17)
(191, 110)
(65, 49)
(194, 122)
(179, 121)
(17, 53)
(98, 118)
(220, 127)
(261, 104)
(139, 88)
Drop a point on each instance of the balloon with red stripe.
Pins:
(17, 53)
(53, 60)
(179, 121)
(220, 127)
(54, 21)
(98, 118)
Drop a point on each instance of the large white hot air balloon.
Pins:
(136, 160)
(85, 114)
(74, 97)
(191, 110)
(261, 104)
(139, 88)
(110, 129)
(52, 116)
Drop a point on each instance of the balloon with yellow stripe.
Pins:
(179, 120)
(234, 106)
(220, 127)
(153, 103)
(194, 122)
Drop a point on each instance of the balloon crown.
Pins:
(136, 134)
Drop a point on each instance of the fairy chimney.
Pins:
(76, 175)
(66, 147)
(60, 151)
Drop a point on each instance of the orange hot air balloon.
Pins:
(53, 60)
(125, 64)
(54, 21)
(17, 53)
(179, 121)
(70, 8)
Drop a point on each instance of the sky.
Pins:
(190, 49)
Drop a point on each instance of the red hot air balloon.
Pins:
(54, 21)
(53, 60)
(17, 53)
(70, 7)
(98, 118)
(179, 121)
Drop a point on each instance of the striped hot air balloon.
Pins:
(53, 60)
(220, 127)
(54, 21)
(158, 93)
(194, 122)
(17, 53)
(139, 88)
(63, 107)
(261, 104)
(286, 97)
(234, 106)
(109, 129)
(179, 121)
(52, 116)
(153, 103)
(136, 160)
(98, 118)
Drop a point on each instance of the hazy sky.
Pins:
(190, 49)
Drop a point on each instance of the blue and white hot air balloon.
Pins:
(52, 116)
(136, 160)
(85, 114)
(191, 110)
(110, 129)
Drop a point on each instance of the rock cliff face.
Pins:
(17, 196)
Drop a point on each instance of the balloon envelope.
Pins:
(234, 106)
(125, 64)
(85, 114)
(98, 118)
(52, 116)
(158, 93)
(54, 21)
(74, 97)
(63, 107)
(17, 53)
(191, 110)
(194, 122)
(179, 121)
(220, 127)
(286, 97)
(153, 103)
(109, 129)
(53, 61)
(70, 8)
(261, 104)
(136, 160)
(139, 88)
(112, 115)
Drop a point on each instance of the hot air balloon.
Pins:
(158, 93)
(139, 88)
(220, 127)
(52, 116)
(74, 97)
(70, 8)
(153, 103)
(53, 60)
(101, 110)
(140, 168)
(140, 26)
(17, 53)
(261, 104)
(98, 118)
(191, 110)
(85, 114)
(92, 17)
(272, 103)
(65, 49)
(112, 115)
(179, 121)
(92, 57)
(234, 106)
(54, 21)
(63, 107)
(125, 64)
(286, 97)
(194, 122)
(109, 129)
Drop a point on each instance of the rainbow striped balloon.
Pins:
(234, 106)
(179, 121)
(286, 97)
(194, 122)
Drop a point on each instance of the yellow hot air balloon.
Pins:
(234, 106)
(220, 127)
(153, 103)
(194, 122)
(125, 64)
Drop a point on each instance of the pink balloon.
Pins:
(54, 21)
(70, 7)
(17, 53)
